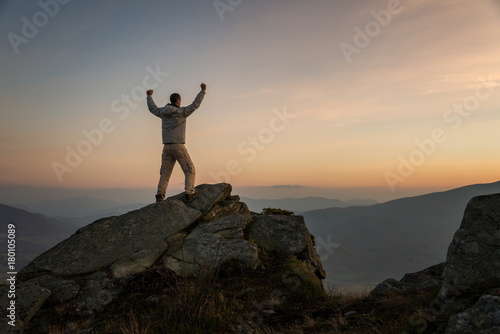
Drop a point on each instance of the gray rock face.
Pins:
(108, 240)
(212, 243)
(208, 251)
(482, 318)
(139, 261)
(287, 234)
(473, 259)
(61, 290)
(29, 298)
(98, 291)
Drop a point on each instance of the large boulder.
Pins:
(128, 243)
(434, 272)
(391, 286)
(109, 240)
(287, 234)
(427, 279)
(473, 259)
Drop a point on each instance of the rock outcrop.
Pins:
(289, 235)
(427, 279)
(136, 237)
(88, 269)
(470, 274)
(473, 259)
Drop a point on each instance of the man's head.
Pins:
(175, 99)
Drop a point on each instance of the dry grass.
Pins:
(352, 299)
(133, 326)
(222, 300)
(70, 327)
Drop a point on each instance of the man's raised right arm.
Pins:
(160, 112)
(186, 111)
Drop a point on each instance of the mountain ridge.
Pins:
(396, 237)
(303, 203)
(35, 233)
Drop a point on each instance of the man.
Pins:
(173, 118)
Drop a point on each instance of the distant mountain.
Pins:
(302, 204)
(70, 207)
(35, 234)
(80, 210)
(371, 243)
(115, 211)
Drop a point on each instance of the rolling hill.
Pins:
(78, 211)
(372, 243)
(35, 234)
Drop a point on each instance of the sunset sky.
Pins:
(319, 93)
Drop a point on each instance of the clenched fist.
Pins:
(203, 87)
(149, 92)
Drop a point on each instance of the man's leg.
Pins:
(182, 156)
(167, 165)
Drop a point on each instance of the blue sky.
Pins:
(352, 120)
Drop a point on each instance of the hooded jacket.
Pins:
(173, 119)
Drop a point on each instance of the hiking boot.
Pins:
(191, 197)
(159, 198)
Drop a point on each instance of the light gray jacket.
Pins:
(173, 119)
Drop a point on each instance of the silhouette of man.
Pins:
(173, 119)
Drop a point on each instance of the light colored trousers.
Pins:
(171, 154)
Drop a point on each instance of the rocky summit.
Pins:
(89, 269)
